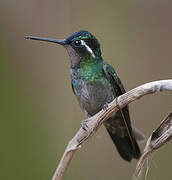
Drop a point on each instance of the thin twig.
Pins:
(96, 121)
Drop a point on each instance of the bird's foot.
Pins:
(84, 124)
(105, 106)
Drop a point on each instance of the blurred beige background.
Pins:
(38, 111)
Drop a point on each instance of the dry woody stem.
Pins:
(158, 138)
(96, 121)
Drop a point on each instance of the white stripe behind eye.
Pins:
(88, 48)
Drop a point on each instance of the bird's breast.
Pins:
(93, 95)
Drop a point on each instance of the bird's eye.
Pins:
(77, 42)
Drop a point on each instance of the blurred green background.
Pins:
(38, 111)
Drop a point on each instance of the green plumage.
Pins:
(96, 83)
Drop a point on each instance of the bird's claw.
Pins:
(84, 125)
(105, 106)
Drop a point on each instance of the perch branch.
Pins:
(96, 121)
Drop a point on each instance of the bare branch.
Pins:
(158, 138)
(96, 121)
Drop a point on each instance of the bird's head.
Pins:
(81, 46)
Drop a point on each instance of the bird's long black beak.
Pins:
(61, 42)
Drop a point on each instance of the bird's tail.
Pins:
(126, 148)
(124, 136)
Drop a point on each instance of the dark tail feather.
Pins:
(126, 149)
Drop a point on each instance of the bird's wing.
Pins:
(118, 89)
(114, 79)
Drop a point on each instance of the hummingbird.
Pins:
(95, 84)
